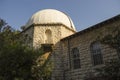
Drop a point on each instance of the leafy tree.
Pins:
(111, 70)
(18, 61)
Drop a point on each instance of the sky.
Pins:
(84, 13)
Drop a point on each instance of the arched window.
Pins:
(96, 53)
(75, 57)
(48, 36)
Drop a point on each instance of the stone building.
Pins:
(74, 53)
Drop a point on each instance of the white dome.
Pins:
(50, 16)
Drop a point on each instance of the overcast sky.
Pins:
(84, 13)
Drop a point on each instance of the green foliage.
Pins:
(113, 41)
(2, 23)
(18, 61)
(111, 70)
(42, 72)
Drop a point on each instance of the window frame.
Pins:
(75, 58)
(96, 53)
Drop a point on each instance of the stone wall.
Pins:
(39, 34)
(58, 32)
(83, 41)
(66, 32)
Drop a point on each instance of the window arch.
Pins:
(75, 57)
(96, 53)
(48, 36)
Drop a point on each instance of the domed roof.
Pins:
(50, 16)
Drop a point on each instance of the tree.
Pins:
(18, 61)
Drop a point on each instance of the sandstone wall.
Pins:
(83, 42)
(66, 32)
(58, 32)
(39, 34)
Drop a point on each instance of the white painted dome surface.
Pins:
(50, 16)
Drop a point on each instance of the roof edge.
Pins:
(93, 27)
(48, 24)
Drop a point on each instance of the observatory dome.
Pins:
(50, 16)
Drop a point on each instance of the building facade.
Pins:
(74, 53)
